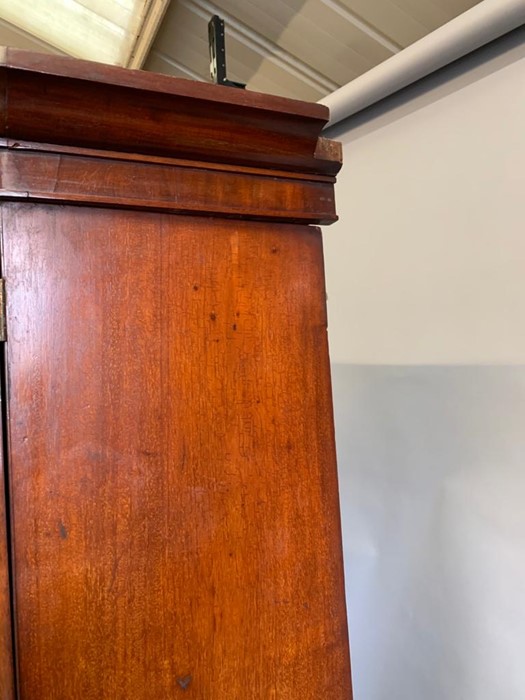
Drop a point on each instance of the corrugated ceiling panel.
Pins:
(265, 81)
(320, 31)
(161, 63)
(307, 30)
(453, 8)
(12, 36)
(75, 27)
(389, 18)
(110, 31)
(298, 48)
(183, 35)
(299, 45)
(185, 27)
(427, 13)
(260, 43)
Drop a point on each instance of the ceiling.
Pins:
(303, 49)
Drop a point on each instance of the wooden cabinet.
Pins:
(171, 520)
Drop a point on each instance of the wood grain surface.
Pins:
(44, 98)
(172, 468)
(167, 185)
(44, 64)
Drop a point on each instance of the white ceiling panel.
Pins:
(296, 48)
(13, 36)
(390, 18)
(110, 31)
(183, 35)
(429, 14)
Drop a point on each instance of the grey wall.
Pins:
(426, 286)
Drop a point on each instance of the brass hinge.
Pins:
(3, 329)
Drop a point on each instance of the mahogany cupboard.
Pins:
(170, 526)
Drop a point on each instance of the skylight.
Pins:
(109, 31)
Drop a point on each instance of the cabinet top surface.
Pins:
(57, 99)
(64, 66)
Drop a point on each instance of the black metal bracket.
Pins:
(218, 53)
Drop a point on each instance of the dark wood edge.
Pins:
(86, 179)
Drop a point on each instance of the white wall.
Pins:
(427, 262)
(426, 286)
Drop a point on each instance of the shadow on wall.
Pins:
(432, 489)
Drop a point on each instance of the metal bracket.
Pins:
(218, 53)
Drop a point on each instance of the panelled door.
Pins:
(169, 450)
